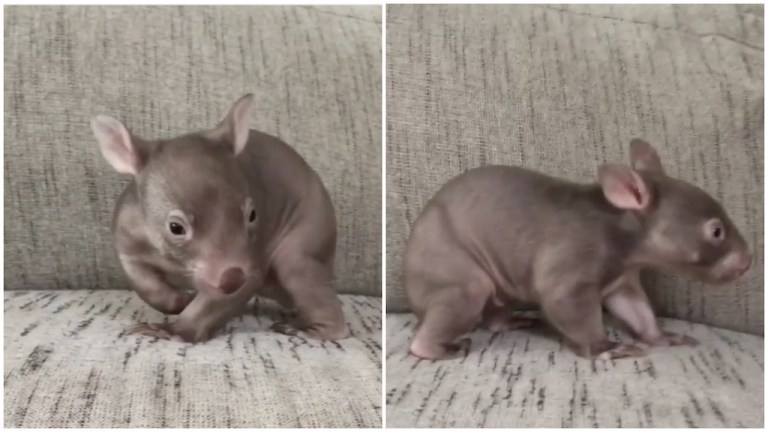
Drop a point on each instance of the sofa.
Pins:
(164, 71)
(563, 89)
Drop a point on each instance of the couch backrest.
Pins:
(563, 89)
(316, 74)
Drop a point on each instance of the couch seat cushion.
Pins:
(69, 363)
(528, 378)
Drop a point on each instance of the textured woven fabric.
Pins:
(69, 363)
(164, 71)
(562, 89)
(529, 379)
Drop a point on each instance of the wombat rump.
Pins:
(497, 235)
(230, 212)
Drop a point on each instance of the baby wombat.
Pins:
(497, 235)
(230, 212)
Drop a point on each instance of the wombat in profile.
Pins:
(496, 235)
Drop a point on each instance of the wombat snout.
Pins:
(735, 265)
(742, 262)
(231, 280)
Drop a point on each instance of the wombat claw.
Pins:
(285, 328)
(675, 339)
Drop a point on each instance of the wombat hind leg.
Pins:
(307, 282)
(447, 319)
(446, 351)
(333, 331)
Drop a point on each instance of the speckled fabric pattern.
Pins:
(564, 88)
(164, 71)
(69, 363)
(528, 378)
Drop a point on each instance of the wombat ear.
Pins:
(117, 145)
(644, 156)
(624, 188)
(234, 126)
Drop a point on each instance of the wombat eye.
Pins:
(715, 230)
(176, 229)
(252, 216)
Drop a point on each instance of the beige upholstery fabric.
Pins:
(316, 74)
(563, 89)
(69, 363)
(530, 379)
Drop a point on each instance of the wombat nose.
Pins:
(745, 261)
(231, 280)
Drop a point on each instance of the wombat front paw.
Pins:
(626, 351)
(673, 339)
(285, 328)
(173, 304)
(676, 339)
(172, 331)
(610, 350)
(182, 301)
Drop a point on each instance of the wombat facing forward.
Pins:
(230, 212)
